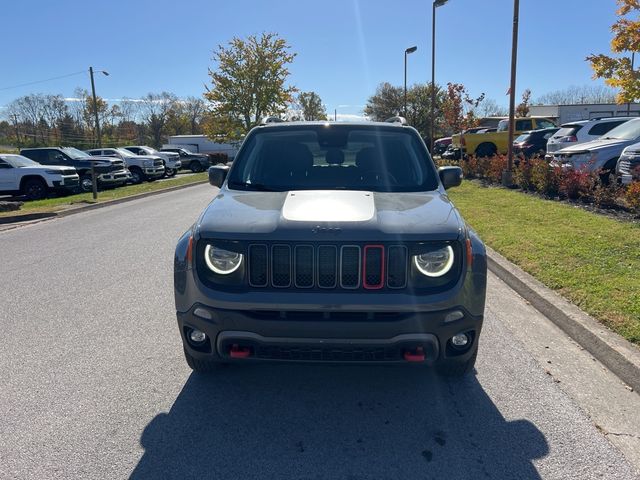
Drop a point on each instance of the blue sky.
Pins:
(345, 47)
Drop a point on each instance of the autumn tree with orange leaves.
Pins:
(618, 71)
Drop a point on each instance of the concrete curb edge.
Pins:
(613, 351)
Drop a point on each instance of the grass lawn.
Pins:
(592, 260)
(61, 203)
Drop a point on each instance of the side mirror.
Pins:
(217, 175)
(450, 176)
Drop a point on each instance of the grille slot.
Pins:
(373, 266)
(258, 266)
(350, 266)
(281, 266)
(303, 266)
(397, 266)
(327, 266)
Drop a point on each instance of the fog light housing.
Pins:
(460, 340)
(197, 337)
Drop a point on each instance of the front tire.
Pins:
(170, 172)
(200, 366)
(137, 176)
(452, 368)
(35, 189)
(86, 184)
(196, 167)
(486, 150)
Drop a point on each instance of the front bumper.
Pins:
(67, 182)
(339, 338)
(154, 172)
(117, 177)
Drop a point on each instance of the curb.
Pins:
(26, 217)
(617, 354)
(72, 211)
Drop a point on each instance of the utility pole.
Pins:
(507, 175)
(633, 59)
(94, 182)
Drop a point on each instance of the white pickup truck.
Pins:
(142, 167)
(22, 176)
(172, 161)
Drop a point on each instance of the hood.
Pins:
(594, 145)
(330, 216)
(102, 160)
(56, 168)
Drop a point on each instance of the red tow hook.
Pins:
(414, 356)
(236, 351)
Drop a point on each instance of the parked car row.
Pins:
(37, 172)
(616, 153)
(609, 146)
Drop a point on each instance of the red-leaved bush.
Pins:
(632, 197)
(575, 184)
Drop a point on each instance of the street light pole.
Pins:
(507, 175)
(436, 4)
(94, 183)
(406, 52)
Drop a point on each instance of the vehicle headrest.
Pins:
(335, 156)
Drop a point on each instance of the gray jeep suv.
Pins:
(331, 243)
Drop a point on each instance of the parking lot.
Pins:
(95, 384)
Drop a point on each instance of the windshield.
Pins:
(503, 126)
(19, 161)
(75, 153)
(124, 152)
(627, 131)
(383, 159)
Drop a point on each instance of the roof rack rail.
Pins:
(397, 119)
(267, 120)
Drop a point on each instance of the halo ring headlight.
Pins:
(435, 263)
(221, 261)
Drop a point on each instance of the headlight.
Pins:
(435, 263)
(222, 261)
(147, 163)
(53, 172)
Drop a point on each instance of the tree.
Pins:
(459, 108)
(618, 72)
(155, 112)
(578, 95)
(311, 107)
(522, 110)
(490, 108)
(387, 102)
(248, 84)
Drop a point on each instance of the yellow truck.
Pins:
(491, 143)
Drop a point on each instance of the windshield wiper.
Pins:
(258, 187)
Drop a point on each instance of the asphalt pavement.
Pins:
(94, 384)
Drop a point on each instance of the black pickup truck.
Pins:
(110, 171)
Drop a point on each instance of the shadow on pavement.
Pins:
(336, 422)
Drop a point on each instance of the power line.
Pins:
(43, 81)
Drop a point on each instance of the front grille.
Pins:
(117, 165)
(157, 163)
(347, 267)
(624, 167)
